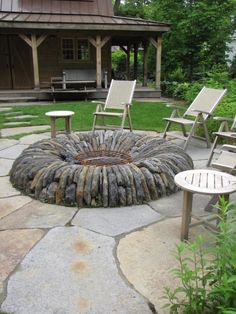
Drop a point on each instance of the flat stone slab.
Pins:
(71, 271)
(12, 113)
(5, 143)
(16, 123)
(171, 206)
(146, 258)
(9, 205)
(38, 215)
(32, 138)
(5, 166)
(26, 129)
(14, 245)
(6, 188)
(12, 152)
(115, 221)
(22, 117)
(3, 109)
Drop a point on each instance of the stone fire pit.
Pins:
(104, 169)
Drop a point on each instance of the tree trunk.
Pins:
(116, 7)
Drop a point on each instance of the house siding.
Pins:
(97, 7)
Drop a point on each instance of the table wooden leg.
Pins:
(68, 125)
(53, 127)
(186, 214)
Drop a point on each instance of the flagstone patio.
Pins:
(69, 260)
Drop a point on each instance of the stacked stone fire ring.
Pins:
(99, 169)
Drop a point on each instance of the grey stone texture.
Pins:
(12, 152)
(9, 205)
(6, 143)
(7, 189)
(71, 271)
(27, 129)
(14, 245)
(115, 221)
(32, 138)
(38, 215)
(5, 166)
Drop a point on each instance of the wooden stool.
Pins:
(208, 182)
(57, 115)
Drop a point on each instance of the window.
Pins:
(75, 49)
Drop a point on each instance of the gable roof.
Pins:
(79, 14)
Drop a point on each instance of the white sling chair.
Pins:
(119, 97)
(200, 110)
(227, 159)
(224, 132)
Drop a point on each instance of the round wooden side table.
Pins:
(54, 115)
(201, 181)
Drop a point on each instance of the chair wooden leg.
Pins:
(94, 122)
(166, 129)
(206, 134)
(123, 122)
(212, 151)
(130, 122)
(190, 135)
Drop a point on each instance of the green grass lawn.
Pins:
(145, 115)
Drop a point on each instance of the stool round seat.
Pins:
(203, 181)
(60, 113)
(57, 114)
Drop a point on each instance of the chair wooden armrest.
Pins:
(170, 105)
(231, 148)
(223, 119)
(98, 102)
(201, 111)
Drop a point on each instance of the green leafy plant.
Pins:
(207, 274)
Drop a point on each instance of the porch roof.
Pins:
(82, 21)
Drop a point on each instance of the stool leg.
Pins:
(68, 125)
(186, 214)
(53, 127)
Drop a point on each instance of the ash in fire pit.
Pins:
(100, 169)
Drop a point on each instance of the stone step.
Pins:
(17, 99)
(3, 109)
(16, 123)
(21, 117)
(11, 113)
(23, 129)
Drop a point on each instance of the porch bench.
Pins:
(74, 81)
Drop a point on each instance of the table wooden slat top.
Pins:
(59, 113)
(206, 181)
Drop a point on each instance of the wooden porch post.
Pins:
(157, 44)
(98, 43)
(145, 63)
(135, 61)
(34, 43)
(127, 52)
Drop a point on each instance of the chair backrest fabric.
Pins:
(206, 101)
(119, 94)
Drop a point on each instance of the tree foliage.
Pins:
(200, 31)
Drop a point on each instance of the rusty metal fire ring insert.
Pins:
(103, 158)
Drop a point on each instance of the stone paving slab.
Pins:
(32, 138)
(146, 258)
(171, 206)
(22, 117)
(12, 152)
(14, 245)
(5, 143)
(6, 188)
(27, 129)
(9, 205)
(12, 113)
(71, 271)
(5, 166)
(3, 109)
(18, 123)
(115, 221)
(38, 215)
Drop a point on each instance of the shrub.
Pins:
(207, 274)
